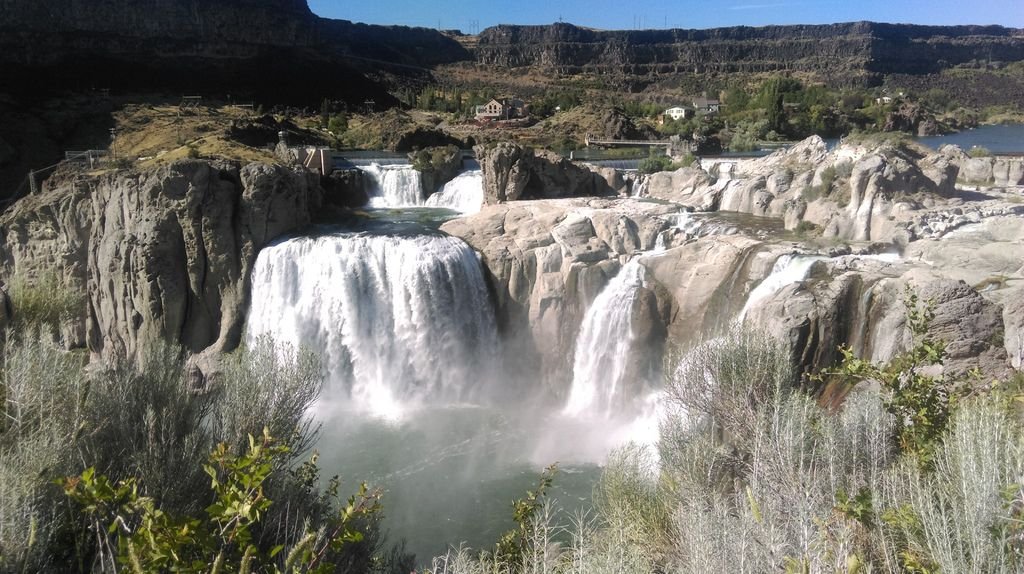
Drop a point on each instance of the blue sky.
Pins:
(473, 15)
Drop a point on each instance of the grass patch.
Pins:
(46, 300)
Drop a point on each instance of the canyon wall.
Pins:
(838, 53)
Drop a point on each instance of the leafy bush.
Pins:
(922, 403)
(979, 151)
(144, 538)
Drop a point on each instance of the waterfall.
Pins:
(787, 269)
(396, 320)
(394, 186)
(604, 346)
(464, 194)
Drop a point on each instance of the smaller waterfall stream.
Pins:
(787, 269)
(604, 346)
(464, 194)
(394, 186)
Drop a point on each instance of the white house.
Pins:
(679, 113)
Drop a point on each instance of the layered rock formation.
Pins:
(840, 53)
(164, 253)
(962, 250)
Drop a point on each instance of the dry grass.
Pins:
(161, 133)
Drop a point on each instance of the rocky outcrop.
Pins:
(861, 303)
(546, 261)
(911, 117)
(163, 253)
(437, 165)
(345, 188)
(855, 192)
(513, 172)
(992, 171)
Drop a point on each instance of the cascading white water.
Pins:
(787, 269)
(603, 348)
(397, 321)
(464, 194)
(394, 186)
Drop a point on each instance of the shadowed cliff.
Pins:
(273, 50)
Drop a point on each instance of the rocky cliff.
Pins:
(547, 260)
(165, 253)
(839, 53)
(271, 49)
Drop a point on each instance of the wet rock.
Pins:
(547, 261)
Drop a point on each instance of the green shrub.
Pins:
(142, 426)
(149, 539)
(979, 151)
(338, 124)
(654, 164)
(921, 402)
(45, 300)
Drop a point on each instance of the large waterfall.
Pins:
(394, 186)
(604, 346)
(465, 193)
(397, 320)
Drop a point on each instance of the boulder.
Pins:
(437, 165)
(512, 172)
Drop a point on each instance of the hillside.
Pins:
(268, 50)
(839, 54)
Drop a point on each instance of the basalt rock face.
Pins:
(840, 53)
(856, 192)
(165, 253)
(512, 172)
(861, 303)
(270, 49)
